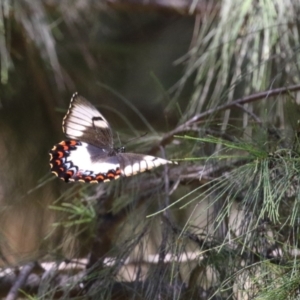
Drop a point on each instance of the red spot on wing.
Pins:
(63, 167)
(73, 143)
(100, 177)
(60, 154)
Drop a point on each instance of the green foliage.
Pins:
(76, 213)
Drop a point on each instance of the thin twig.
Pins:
(250, 113)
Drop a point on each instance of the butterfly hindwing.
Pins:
(77, 161)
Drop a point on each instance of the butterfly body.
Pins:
(89, 155)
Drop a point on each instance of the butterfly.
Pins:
(89, 154)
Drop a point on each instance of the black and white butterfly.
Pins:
(89, 155)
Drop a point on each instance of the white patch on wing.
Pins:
(135, 168)
(159, 162)
(143, 166)
(127, 170)
(100, 123)
(73, 133)
(156, 161)
(84, 110)
(79, 120)
(81, 158)
(146, 163)
(76, 126)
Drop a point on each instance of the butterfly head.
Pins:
(120, 149)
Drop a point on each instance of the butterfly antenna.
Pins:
(122, 148)
(136, 138)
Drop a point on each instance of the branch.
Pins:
(20, 282)
(252, 98)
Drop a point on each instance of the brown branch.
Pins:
(20, 282)
(32, 283)
(251, 114)
(252, 98)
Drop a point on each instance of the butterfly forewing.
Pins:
(89, 156)
(85, 123)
